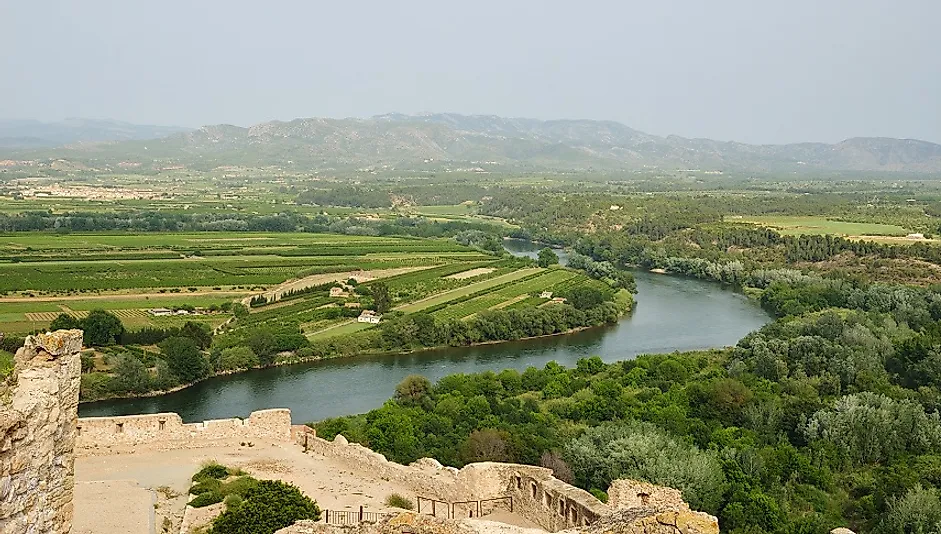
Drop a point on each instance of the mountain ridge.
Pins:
(27, 133)
(451, 140)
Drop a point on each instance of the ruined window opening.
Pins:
(519, 482)
(119, 428)
(561, 507)
(644, 498)
(162, 424)
(533, 487)
(574, 515)
(78, 430)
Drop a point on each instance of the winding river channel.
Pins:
(671, 314)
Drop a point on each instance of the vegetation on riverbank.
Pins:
(501, 299)
(816, 420)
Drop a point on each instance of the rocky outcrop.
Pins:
(38, 417)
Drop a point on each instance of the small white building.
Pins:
(182, 312)
(545, 295)
(915, 236)
(559, 300)
(369, 316)
(160, 312)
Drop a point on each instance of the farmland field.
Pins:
(43, 275)
(792, 225)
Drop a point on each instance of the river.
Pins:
(671, 314)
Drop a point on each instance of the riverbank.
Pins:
(672, 313)
(291, 360)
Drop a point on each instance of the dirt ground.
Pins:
(122, 482)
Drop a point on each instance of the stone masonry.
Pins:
(38, 413)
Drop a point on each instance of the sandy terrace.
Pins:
(464, 275)
(121, 489)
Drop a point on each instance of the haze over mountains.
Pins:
(35, 134)
(447, 140)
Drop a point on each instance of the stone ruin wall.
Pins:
(537, 495)
(38, 412)
(167, 431)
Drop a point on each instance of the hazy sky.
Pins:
(754, 71)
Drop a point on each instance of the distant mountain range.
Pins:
(447, 140)
(20, 134)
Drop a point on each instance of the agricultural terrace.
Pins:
(43, 275)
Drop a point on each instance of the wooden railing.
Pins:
(353, 517)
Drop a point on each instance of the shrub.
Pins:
(266, 508)
(211, 470)
(206, 486)
(206, 499)
(239, 486)
(233, 500)
(398, 501)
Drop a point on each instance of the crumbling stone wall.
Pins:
(636, 521)
(38, 415)
(167, 431)
(537, 495)
(551, 503)
(626, 493)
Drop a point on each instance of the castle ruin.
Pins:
(42, 437)
(37, 427)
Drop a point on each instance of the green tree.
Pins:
(412, 390)
(643, 451)
(184, 360)
(234, 358)
(547, 257)
(64, 321)
(916, 512)
(198, 332)
(130, 375)
(265, 509)
(101, 328)
(486, 445)
(381, 298)
(869, 428)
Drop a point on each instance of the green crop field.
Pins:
(543, 281)
(466, 290)
(341, 329)
(42, 275)
(791, 225)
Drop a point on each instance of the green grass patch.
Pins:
(6, 364)
(341, 330)
(792, 225)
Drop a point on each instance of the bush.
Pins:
(239, 486)
(395, 500)
(206, 499)
(211, 470)
(206, 486)
(265, 509)
(233, 500)
(645, 452)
